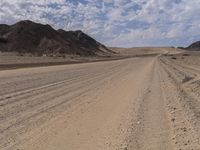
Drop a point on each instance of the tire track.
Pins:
(183, 108)
(152, 128)
(25, 110)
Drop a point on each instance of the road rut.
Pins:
(117, 105)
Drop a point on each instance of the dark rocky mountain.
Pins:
(82, 42)
(29, 37)
(194, 46)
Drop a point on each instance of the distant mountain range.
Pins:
(30, 37)
(194, 46)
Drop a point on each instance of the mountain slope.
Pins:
(194, 46)
(27, 36)
(82, 42)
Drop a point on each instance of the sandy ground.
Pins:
(132, 104)
(7, 58)
(14, 58)
(138, 51)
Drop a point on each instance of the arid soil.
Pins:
(15, 58)
(138, 51)
(144, 103)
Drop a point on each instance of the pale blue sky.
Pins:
(125, 23)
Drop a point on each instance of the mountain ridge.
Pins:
(29, 37)
(194, 46)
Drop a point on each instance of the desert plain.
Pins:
(147, 101)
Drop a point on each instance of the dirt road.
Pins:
(131, 104)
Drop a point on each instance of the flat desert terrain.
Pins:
(139, 103)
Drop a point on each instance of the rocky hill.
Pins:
(30, 37)
(194, 46)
